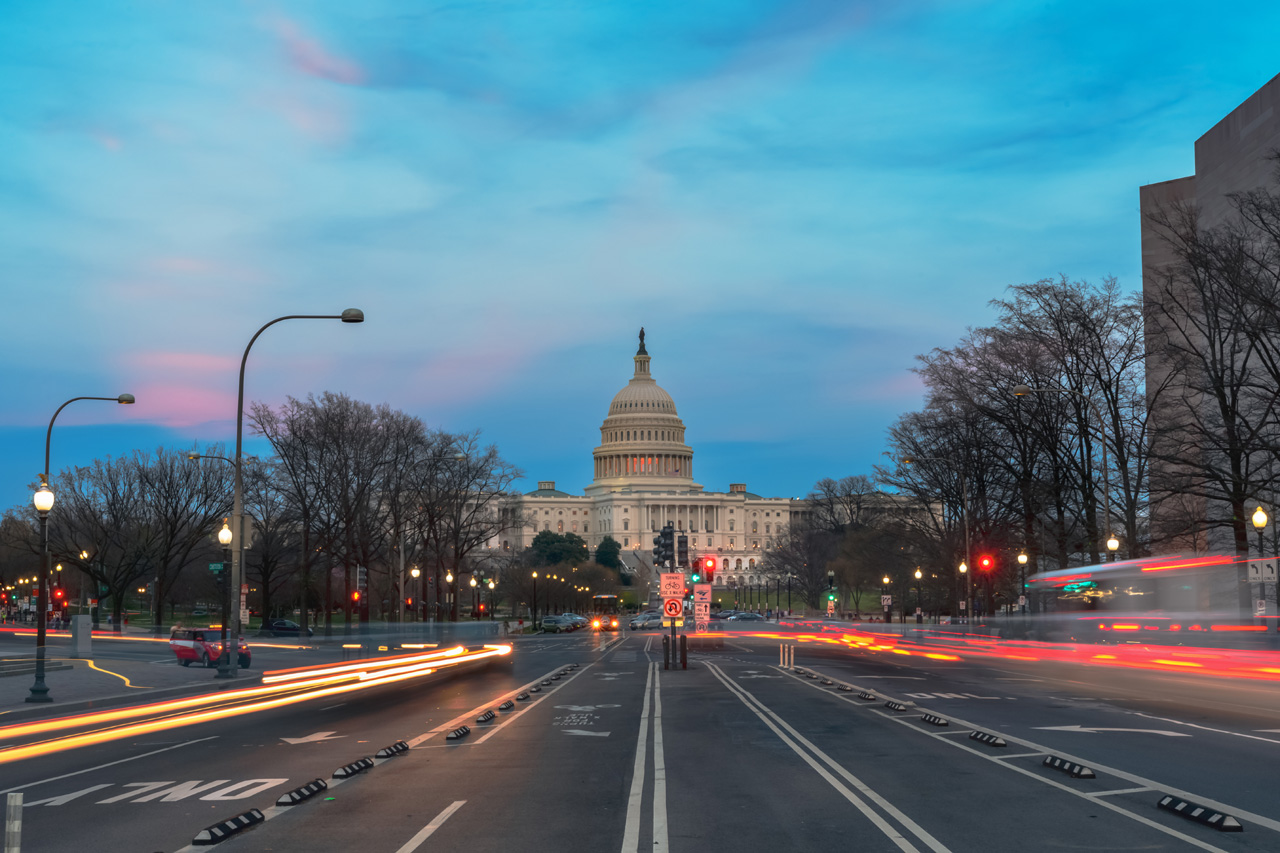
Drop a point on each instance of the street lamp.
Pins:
(888, 606)
(535, 601)
(1023, 390)
(44, 502)
(919, 607)
(350, 315)
(1259, 524)
(968, 595)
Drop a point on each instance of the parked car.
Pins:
(204, 646)
(576, 620)
(605, 623)
(283, 628)
(722, 614)
(556, 624)
(646, 621)
(746, 617)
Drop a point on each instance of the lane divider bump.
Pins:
(459, 732)
(1200, 814)
(306, 792)
(397, 748)
(348, 770)
(989, 739)
(1076, 771)
(935, 720)
(223, 830)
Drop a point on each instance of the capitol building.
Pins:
(643, 480)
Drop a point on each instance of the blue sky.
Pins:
(794, 199)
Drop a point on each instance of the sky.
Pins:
(795, 199)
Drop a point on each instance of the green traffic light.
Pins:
(831, 596)
(696, 578)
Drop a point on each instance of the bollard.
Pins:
(782, 654)
(13, 824)
(684, 651)
(666, 652)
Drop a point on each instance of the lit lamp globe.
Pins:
(918, 574)
(224, 535)
(491, 584)
(885, 580)
(1113, 544)
(448, 578)
(1022, 559)
(414, 573)
(473, 581)
(1259, 518)
(963, 568)
(43, 500)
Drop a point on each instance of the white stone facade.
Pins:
(643, 481)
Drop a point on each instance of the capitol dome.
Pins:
(642, 438)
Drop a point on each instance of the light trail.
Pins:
(344, 679)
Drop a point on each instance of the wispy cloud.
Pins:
(307, 55)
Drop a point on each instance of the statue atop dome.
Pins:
(641, 351)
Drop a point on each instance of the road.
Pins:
(736, 753)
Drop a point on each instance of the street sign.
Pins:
(701, 612)
(699, 627)
(702, 595)
(672, 623)
(672, 585)
(215, 567)
(1022, 601)
(886, 600)
(672, 607)
(1262, 571)
(1260, 607)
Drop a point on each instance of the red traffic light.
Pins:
(711, 562)
(986, 563)
(58, 593)
(355, 596)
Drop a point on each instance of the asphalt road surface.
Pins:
(736, 753)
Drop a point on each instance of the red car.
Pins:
(203, 645)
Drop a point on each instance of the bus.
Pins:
(1151, 597)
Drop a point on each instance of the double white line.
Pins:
(631, 836)
(845, 785)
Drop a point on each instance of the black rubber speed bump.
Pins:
(870, 697)
(507, 705)
(459, 732)
(397, 748)
(223, 830)
(556, 677)
(348, 770)
(535, 689)
(306, 792)
(895, 706)
(1076, 771)
(521, 697)
(1200, 814)
(935, 720)
(988, 739)
(827, 682)
(486, 716)
(546, 683)
(846, 688)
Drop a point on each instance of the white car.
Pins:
(646, 621)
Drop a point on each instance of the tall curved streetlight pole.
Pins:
(44, 502)
(350, 315)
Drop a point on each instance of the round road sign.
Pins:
(672, 607)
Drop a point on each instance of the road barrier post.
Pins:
(13, 824)
(684, 651)
(666, 652)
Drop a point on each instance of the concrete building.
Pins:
(1235, 155)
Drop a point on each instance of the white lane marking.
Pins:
(1208, 728)
(108, 764)
(584, 733)
(1096, 729)
(631, 834)
(1118, 791)
(313, 737)
(1024, 755)
(659, 773)
(480, 709)
(1000, 760)
(890, 831)
(426, 831)
(331, 707)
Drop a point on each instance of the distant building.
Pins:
(643, 481)
(1233, 156)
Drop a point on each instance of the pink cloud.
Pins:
(184, 363)
(181, 405)
(307, 55)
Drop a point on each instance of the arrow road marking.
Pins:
(584, 708)
(312, 738)
(584, 733)
(1095, 729)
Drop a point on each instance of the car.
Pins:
(646, 621)
(556, 624)
(604, 623)
(204, 646)
(283, 628)
(746, 617)
(576, 620)
(723, 614)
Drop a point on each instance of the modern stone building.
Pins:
(1235, 155)
(643, 480)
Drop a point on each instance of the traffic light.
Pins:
(664, 547)
(709, 569)
(682, 551)
(362, 579)
(831, 596)
(986, 562)
(355, 595)
(695, 577)
(58, 594)
(657, 551)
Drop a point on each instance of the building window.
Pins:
(626, 525)
(766, 530)
(730, 527)
(559, 527)
(546, 525)
(755, 528)
(575, 530)
(626, 542)
(731, 545)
